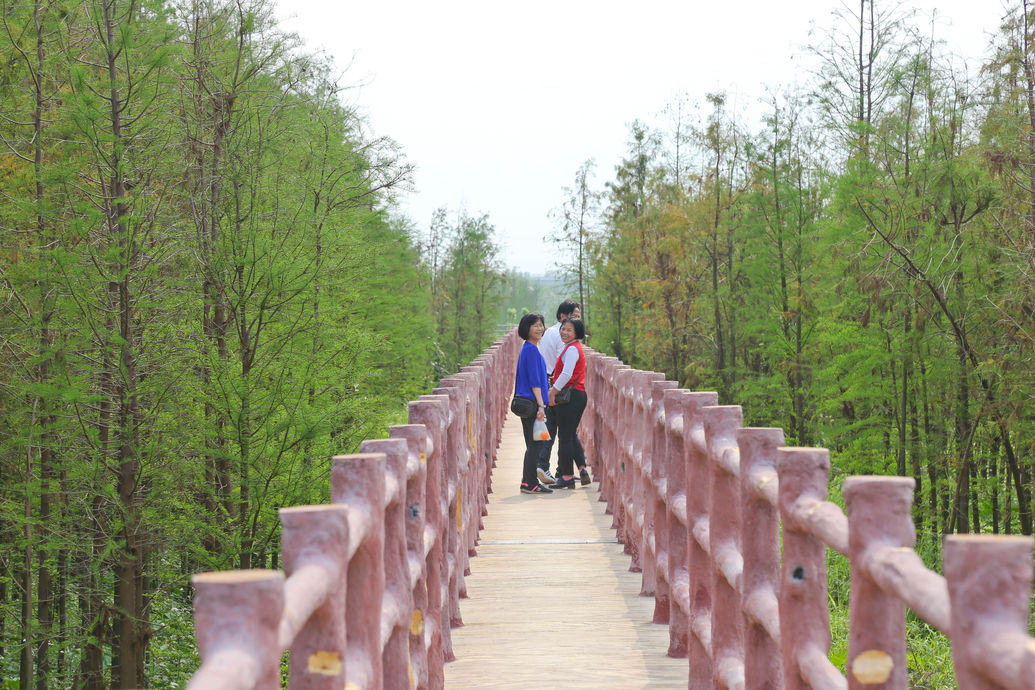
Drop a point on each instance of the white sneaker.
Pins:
(545, 477)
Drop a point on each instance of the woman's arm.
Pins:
(538, 393)
(571, 357)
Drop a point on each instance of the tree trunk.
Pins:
(1021, 480)
(25, 674)
(961, 507)
(128, 560)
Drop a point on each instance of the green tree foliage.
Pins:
(857, 270)
(467, 277)
(203, 296)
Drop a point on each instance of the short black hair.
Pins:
(526, 323)
(580, 328)
(566, 308)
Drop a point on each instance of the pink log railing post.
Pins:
(625, 384)
(456, 431)
(607, 446)
(804, 613)
(721, 423)
(397, 602)
(418, 443)
(623, 399)
(655, 570)
(763, 664)
(236, 619)
(696, 539)
(432, 411)
(989, 579)
(642, 487)
(474, 499)
(458, 473)
(878, 510)
(590, 417)
(314, 548)
(358, 481)
(675, 503)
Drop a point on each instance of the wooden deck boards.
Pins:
(551, 602)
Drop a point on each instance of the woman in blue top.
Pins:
(530, 381)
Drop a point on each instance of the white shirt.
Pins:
(550, 346)
(571, 358)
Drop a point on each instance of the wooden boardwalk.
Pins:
(551, 602)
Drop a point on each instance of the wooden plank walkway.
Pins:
(551, 602)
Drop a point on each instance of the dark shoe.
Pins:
(545, 477)
(584, 476)
(563, 483)
(537, 489)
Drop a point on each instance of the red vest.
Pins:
(578, 375)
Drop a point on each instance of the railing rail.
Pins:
(703, 506)
(372, 582)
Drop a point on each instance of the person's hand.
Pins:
(553, 393)
(540, 414)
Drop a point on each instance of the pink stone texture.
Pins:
(676, 525)
(760, 582)
(990, 580)
(878, 510)
(726, 633)
(315, 552)
(236, 619)
(655, 568)
(695, 540)
(804, 616)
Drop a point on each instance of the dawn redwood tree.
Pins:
(121, 51)
(576, 217)
(782, 206)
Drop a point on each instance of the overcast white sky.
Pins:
(499, 104)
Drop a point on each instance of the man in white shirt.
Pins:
(550, 347)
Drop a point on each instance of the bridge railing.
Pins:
(702, 507)
(372, 582)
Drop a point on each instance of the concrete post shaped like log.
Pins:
(804, 612)
(696, 539)
(675, 515)
(432, 412)
(454, 457)
(721, 423)
(878, 510)
(315, 549)
(989, 579)
(418, 445)
(760, 539)
(655, 569)
(397, 603)
(236, 619)
(358, 482)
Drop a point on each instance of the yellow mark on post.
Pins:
(417, 622)
(872, 667)
(409, 665)
(459, 512)
(351, 686)
(325, 663)
(424, 459)
(470, 428)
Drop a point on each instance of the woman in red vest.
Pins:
(570, 371)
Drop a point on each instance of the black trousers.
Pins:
(532, 450)
(569, 447)
(551, 426)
